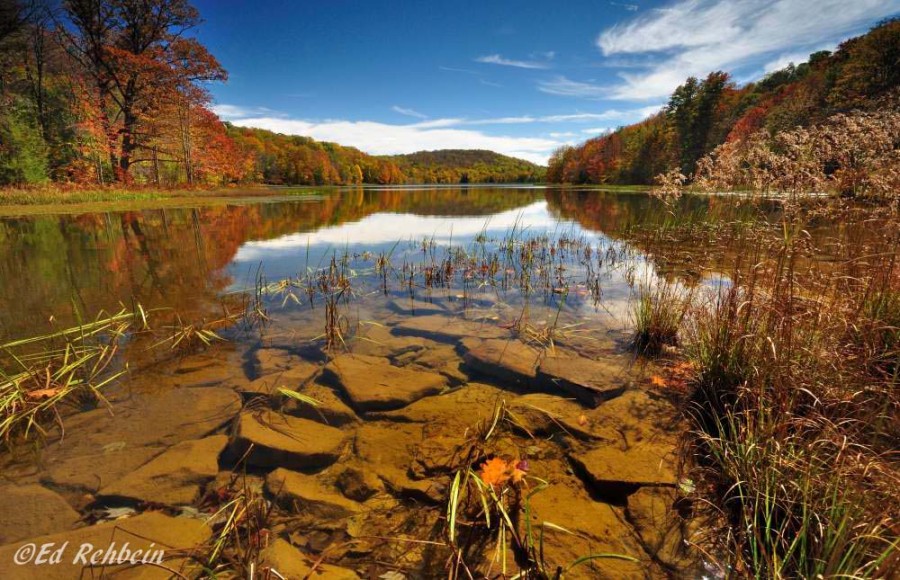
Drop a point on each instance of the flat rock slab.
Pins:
(507, 360)
(446, 328)
(373, 384)
(289, 562)
(377, 340)
(32, 510)
(148, 531)
(653, 514)
(175, 476)
(110, 445)
(453, 411)
(285, 441)
(414, 307)
(294, 377)
(269, 360)
(330, 409)
(307, 496)
(591, 382)
(615, 472)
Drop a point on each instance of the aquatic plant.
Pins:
(69, 366)
(657, 313)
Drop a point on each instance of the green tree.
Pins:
(23, 152)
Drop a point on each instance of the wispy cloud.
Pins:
(408, 112)
(695, 37)
(608, 115)
(459, 70)
(625, 6)
(565, 87)
(783, 60)
(228, 112)
(497, 59)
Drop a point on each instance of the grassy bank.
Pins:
(60, 199)
(793, 368)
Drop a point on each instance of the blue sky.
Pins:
(521, 78)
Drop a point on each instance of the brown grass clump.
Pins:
(794, 397)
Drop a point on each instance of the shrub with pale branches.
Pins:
(855, 154)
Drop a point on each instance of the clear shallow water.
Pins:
(185, 258)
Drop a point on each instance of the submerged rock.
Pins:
(389, 451)
(358, 484)
(147, 532)
(652, 512)
(440, 358)
(109, 446)
(613, 472)
(289, 562)
(377, 340)
(506, 360)
(591, 528)
(590, 381)
(294, 377)
(453, 411)
(284, 441)
(414, 307)
(270, 360)
(330, 409)
(446, 328)
(544, 415)
(307, 496)
(174, 477)
(373, 384)
(32, 510)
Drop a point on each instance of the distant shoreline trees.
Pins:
(703, 115)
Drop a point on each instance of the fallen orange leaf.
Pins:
(495, 472)
(42, 394)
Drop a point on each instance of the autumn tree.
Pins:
(137, 55)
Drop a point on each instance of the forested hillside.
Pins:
(466, 166)
(292, 160)
(705, 113)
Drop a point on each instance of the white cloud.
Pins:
(408, 112)
(795, 57)
(386, 139)
(565, 87)
(695, 37)
(597, 131)
(229, 112)
(459, 70)
(448, 133)
(497, 59)
(628, 7)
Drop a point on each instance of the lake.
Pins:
(186, 257)
(361, 359)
